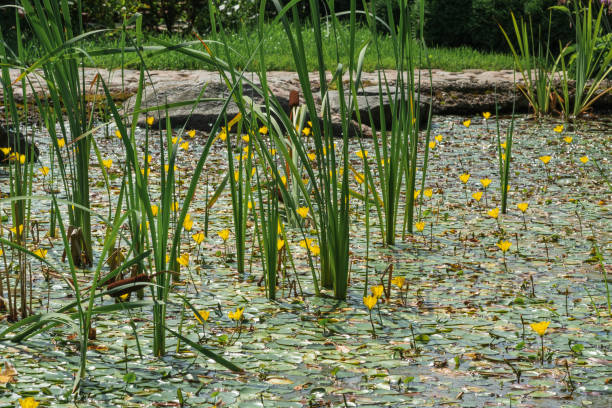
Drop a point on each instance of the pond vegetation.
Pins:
(447, 261)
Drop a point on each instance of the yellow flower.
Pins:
(377, 291)
(280, 244)
(167, 167)
(302, 211)
(174, 206)
(61, 142)
(398, 281)
(584, 159)
(306, 243)
(428, 192)
(142, 171)
(222, 135)
(202, 316)
(272, 152)
(250, 205)
(124, 297)
(362, 153)
(545, 159)
(148, 158)
(191, 133)
(117, 133)
(279, 227)
(494, 213)
(420, 226)
(312, 156)
(198, 238)
(439, 138)
(568, 139)
(315, 250)
(504, 245)
(28, 402)
(246, 138)
(188, 222)
(464, 178)
(432, 144)
(370, 301)
(485, 182)
(107, 163)
(467, 123)
(237, 315)
(176, 139)
(306, 131)
(150, 120)
(540, 327)
(15, 229)
(263, 130)
(477, 196)
(224, 234)
(236, 175)
(154, 210)
(184, 145)
(523, 206)
(503, 145)
(284, 180)
(5, 150)
(486, 115)
(416, 193)
(183, 260)
(22, 158)
(558, 128)
(41, 253)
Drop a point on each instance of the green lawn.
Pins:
(278, 54)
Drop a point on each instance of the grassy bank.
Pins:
(278, 52)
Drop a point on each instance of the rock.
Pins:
(369, 101)
(18, 143)
(200, 117)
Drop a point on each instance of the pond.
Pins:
(457, 333)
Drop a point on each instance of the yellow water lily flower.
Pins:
(420, 226)
(558, 128)
(28, 402)
(184, 145)
(174, 206)
(250, 205)
(150, 120)
(302, 211)
(44, 170)
(312, 156)
(432, 144)
(540, 328)
(41, 253)
(377, 291)
(494, 213)
(362, 153)
(467, 123)
(198, 238)
(263, 130)
(222, 135)
(315, 250)
(236, 175)
(62, 142)
(183, 260)
(188, 222)
(523, 206)
(191, 133)
(306, 131)
(107, 163)
(370, 301)
(584, 159)
(154, 210)
(202, 316)
(280, 244)
(504, 245)
(545, 159)
(359, 178)
(416, 193)
(5, 150)
(464, 178)
(22, 158)
(477, 196)
(167, 167)
(568, 139)
(142, 171)
(224, 234)
(15, 229)
(428, 192)
(438, 138)
(237, 315)
(246, 138)
(398, 281)
(485, 182)
(486, 115)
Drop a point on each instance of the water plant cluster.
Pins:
(127, 224)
